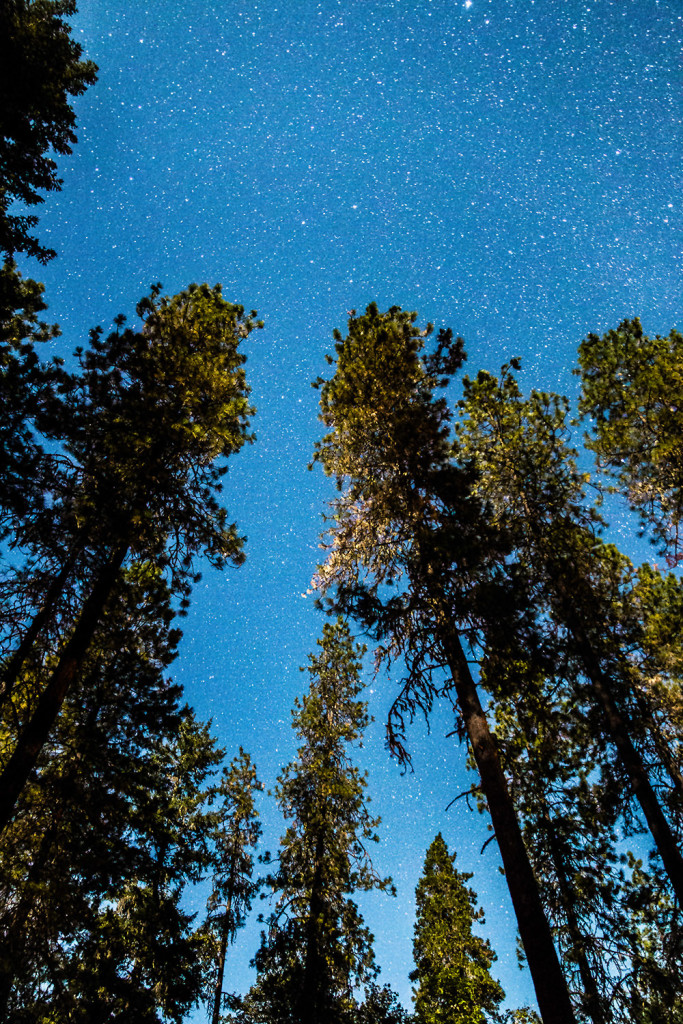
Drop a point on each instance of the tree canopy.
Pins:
(632, 390)
(452, 964)
(467, 540)
(418, 559)
(317, 950)
(40, 70)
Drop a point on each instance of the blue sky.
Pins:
(509, 169)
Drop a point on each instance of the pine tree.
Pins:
(235, 835)
(109, 833)
(577, 585)
(452, 965)
(632, 390)
(415, 556)
(317, 949)
(153, 415)
(40, 68)
(589, 740)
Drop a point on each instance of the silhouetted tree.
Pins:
(153, 414)
(317, 949)
(234, 837)
(414, 557)
(109, 833)
(40, 69)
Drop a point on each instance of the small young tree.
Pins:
(452, 965)
(236, 834)
(317, 949)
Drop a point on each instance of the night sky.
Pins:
(508, 168)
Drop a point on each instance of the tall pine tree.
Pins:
(317, 949)
(577, 586)
(415, 556)
(152, 416)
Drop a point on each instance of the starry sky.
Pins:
(508, 168)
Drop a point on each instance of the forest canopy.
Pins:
(468, 542)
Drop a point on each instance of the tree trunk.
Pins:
(659, 740)
(218, 990)
(594, 1004)
(37, 625)
(34, 735)
(310, 1002)
(617, 730)
(546, 973)
(225, 935)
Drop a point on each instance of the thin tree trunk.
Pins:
(218, 991)
(546, 973)
(593, 1003)
(618, 732)
(37, 625)
(567, 593)
(310, 1008)
(13, 940)
(642, 787)
(660, 741)
(33, 737)
(225, 935)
